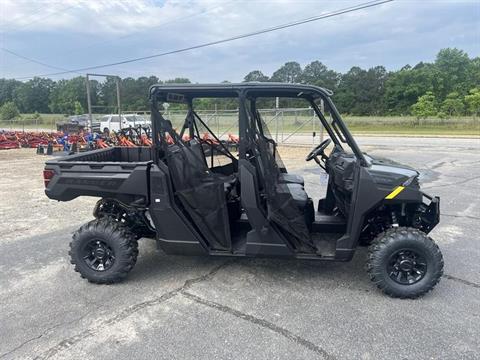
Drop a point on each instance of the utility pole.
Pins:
(322, 109)
(277, 103)
(89, 100)
(89, 103)
(118, 101)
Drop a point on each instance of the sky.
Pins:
(72, 34)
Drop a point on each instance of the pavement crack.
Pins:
(262, 323)
(462, 281)
(72, 340)
(462, 216)
(452, 184)
(45, 332)
(21, 345)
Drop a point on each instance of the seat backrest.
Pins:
(201, 193)
(197, 152)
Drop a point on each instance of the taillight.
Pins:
(47, 176)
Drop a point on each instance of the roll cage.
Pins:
(277, 209)
(245, 92)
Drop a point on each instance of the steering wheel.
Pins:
(319, 150)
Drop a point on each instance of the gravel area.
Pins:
(25, 210)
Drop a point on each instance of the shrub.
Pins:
(425, 106)
(9, 111)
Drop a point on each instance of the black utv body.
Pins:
(249, 206)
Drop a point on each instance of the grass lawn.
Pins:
(418, 130)
(288, 122)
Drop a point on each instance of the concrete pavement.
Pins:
(174, 307)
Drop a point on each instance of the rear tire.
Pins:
(103, 251)
(404, 263)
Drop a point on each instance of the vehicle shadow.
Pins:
(154, 266)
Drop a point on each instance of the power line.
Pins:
(237, 37)
(36, 61)
(93, 45)
(37, 10)
(59, 11)
(161, 25)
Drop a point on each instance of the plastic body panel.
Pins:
(174, 233)
(120, 173)
(262, 239)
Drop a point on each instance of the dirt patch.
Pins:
(294, 156)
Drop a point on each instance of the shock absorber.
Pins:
(394, 219)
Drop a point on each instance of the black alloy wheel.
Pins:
(103, 251)
(407, 267)
(98, 255)
(404, 262)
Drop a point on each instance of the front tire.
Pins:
(404, 263)
(103, 251)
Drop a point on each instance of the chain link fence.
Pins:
(302, 126)
(31, 124)
(286, 125)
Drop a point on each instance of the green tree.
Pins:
(404, 87)
(473, 80)
(66, 94)
(453, 67)
(7, 89)
(361, 92)
(134, 92)
(9, 111)
(107, 95)
(453, 105)
(473, 101)
(78, 108)
(425, 106)
(33, 95)
(316, 73)
(255, 75)
(290, 72)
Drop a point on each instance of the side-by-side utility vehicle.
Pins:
(196, 197)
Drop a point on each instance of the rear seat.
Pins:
(228, 181)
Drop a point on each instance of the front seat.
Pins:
(286, 178)
(294, 187)
(302, 201)
(283, 177)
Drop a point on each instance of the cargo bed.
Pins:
(113, 154)
(118, 172)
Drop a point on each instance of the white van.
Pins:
(111, 122)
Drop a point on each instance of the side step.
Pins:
(329, 223)
(326, 244)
